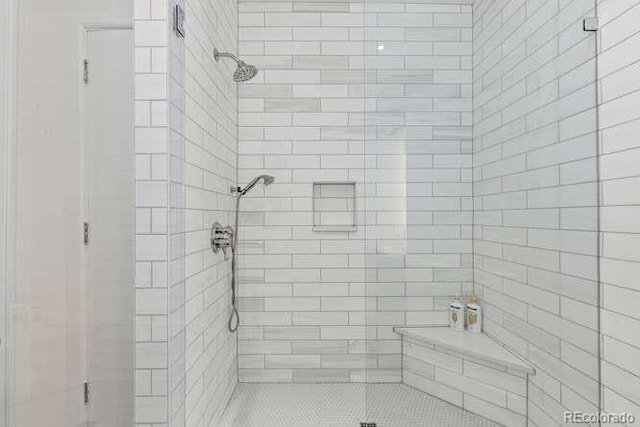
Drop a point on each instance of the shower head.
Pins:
(244, 72)
(267, 180)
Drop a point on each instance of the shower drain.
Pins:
(368, 425)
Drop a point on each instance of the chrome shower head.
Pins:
(267, 180)
(244, 72)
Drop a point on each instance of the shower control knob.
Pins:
(221, 238)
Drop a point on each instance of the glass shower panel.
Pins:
(481, 177)
(301, 240)
(418, 62)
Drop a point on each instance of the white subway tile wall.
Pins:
(378, 93)
(186, 155)
(385, 94)
(619, 87)
(152, 207)
(493, 391)
(203, 157)
(535, 194)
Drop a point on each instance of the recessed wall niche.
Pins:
(334, 206)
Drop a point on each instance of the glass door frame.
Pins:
(8, 74)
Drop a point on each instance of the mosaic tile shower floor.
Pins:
(345, 405)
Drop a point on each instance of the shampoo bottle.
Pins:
(456, 315)
(474, 315)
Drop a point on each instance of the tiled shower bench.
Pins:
(469, 370)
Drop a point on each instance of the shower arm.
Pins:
(217, 55)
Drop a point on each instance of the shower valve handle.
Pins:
(221, 238)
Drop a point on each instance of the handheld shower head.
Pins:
(267, 180)
(244, 72)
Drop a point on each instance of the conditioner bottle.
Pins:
(456, 315)
(474, 315)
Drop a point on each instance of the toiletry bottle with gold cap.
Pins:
(456, 315)
(474, 315)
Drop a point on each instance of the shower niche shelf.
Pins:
(334, 206)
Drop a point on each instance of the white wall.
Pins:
(295, 156)
(50, 334)
(186, 145)
(619, 84)
(151, 28)
(48, 278)
(203, 145)
(535, 190)
(305, 299)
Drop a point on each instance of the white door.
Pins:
(109, 201)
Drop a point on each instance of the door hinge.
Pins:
(85, 233)
(590, 23)
(86, 393)
(85, 71)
